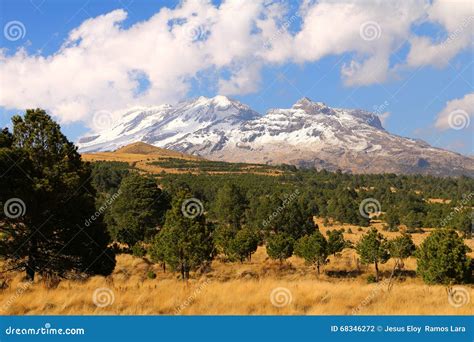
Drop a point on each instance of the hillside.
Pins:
(151, 159)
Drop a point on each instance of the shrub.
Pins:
(442, 258)
(138, 250)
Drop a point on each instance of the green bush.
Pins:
(151, 275)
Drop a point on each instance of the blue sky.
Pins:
(74, 58)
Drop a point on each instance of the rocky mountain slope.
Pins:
(309, 134)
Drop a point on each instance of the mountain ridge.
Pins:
(309, 134)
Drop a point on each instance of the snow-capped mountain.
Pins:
(309, 134)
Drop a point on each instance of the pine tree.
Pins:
(58, 231)
(336, 242)
(401, 248)
(442, 258)
(280, 246)
(244, 244)
(373, 248)
(229, 206)
(186, 241)
(313, 248)
(138, 211)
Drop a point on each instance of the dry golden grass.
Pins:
(235, 288)
(140, 155)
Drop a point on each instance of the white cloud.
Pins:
(457, 114)
(96, 68)
(457, 18)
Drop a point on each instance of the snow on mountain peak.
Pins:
(309, 134)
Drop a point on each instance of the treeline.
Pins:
(66, 218)
(190, 236)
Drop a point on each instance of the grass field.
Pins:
(261, 286)
(154, 160)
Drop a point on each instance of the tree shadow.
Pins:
(344, 274)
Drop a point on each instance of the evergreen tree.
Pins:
(372, 248)
(401, 247)
(336, 242)
(442, 258)
(280, 246)
(229, 206)
(138, 211)
(186, 241)
(244, 244)
(58, 231)
(313, 248)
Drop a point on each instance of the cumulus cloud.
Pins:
(457, 19)
(457, 114)
(101, 65)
